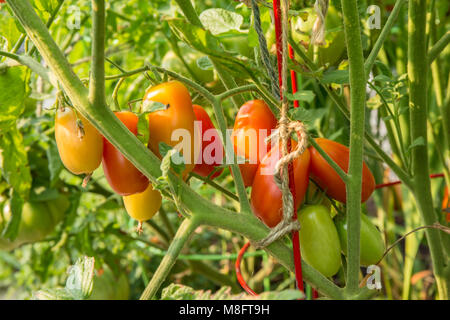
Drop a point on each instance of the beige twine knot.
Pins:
(287, 224)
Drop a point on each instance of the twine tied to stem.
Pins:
(287, 224)
(285, 128)
(318, 30)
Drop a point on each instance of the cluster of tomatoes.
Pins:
(82, 148)
(321, 241)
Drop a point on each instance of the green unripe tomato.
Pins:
(334, 47)
(171, 62)
(36, 223)
(237, 43)
(109, 287)
(371, 243)
(319, 240)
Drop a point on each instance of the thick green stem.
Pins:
(357, 120)
(183, 234)
(417, 75)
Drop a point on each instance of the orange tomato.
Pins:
(253, 119)
(266, 199)
(121, 174)
(328, 179)
(176, 120)
(446, 205)
(80, 150)
(208, 159)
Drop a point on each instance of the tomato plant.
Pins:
(121, 174)
(328, 179)
(253, 120)
(377, 82)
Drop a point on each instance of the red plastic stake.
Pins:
(279, 46)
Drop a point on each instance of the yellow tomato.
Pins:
(80, 151)
(143, 206)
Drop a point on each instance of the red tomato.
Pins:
(253, 119)
(266, 196)
(208, 159)
(327, 177)
(121, 174)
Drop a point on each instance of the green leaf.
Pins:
(9, 33)
(182, 292)
(205, 63)
(55, 165)
(203, 41)
(143, 128)
(419, 142)
(44, 195)
(152, 106)
(302, 95)
(12, 228)
(382, 78)
(335, 76)
(168, 154)
(52, 294)
(14, 161)
(219, 20)
(80, 282)
(308, 116)
(11, 100)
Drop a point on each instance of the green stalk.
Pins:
(97, 81)
(438, 47)
(330, 161)
(417, 74)
(383, 35)
(357, 121)
(182, 236)
(229, 152)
